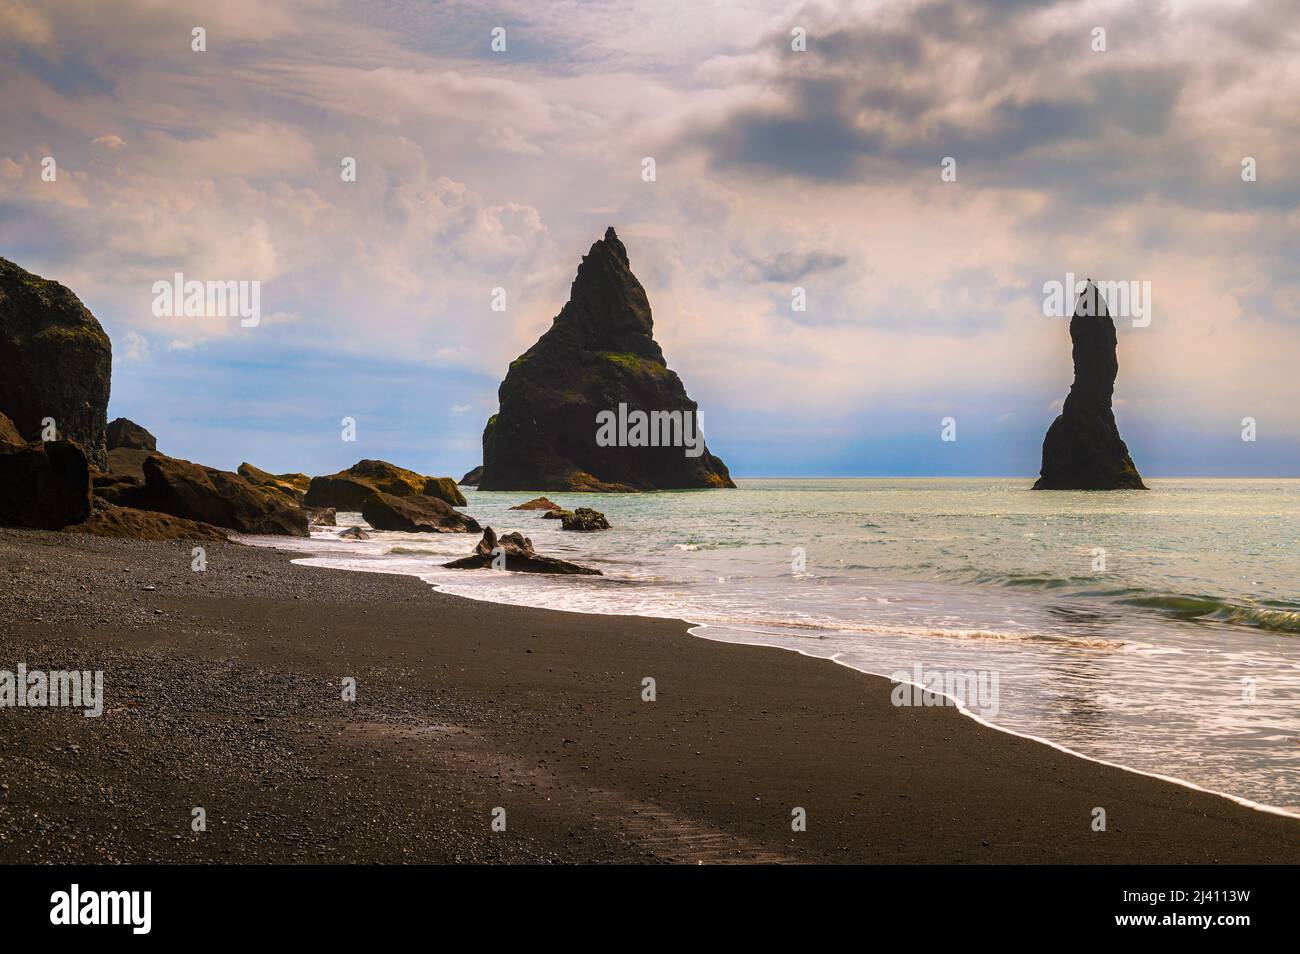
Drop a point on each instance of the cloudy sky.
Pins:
(775, 168)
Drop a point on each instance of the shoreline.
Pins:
(219, 687)
(693, 626)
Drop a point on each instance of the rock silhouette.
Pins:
(1083, 449)
(599, 353)
(55, 362)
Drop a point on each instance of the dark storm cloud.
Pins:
(1019, 104)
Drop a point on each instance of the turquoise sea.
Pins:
(1159, 630)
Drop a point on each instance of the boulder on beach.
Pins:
(471, 479)
(585, 520)
(516, 553)
(44, 485)
(293, 487)
(1083, 449)
(538, 503)
(415, 514)
(599, 357)
(194, 492)
(144, 525)
(348, 489)
(55, 362)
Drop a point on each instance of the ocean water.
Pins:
(1156, 630)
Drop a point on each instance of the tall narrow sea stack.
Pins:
(598, 354)
(1083, 449)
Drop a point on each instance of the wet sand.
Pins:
(222, 690)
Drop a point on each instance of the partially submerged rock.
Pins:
(513, 551)
(55, 362)
(353, 533)
(44, 485)
(598, 354)
(557, 514)
(584, 519)
(415, 514)
(538, 503)
(348, 489)
(194, 492)
(145, 525)
(471, 479)
(1083, 449)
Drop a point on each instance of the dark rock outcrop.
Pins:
(538, 503)
(1083, 449)
(44, 485)
(194, 492)
(415, 514)
(129, 445)
(292, 487)
(519, 556)
(471, 479)
(557, 514)
(55, 361)
(353, 533)
(599, 353)
(122, 432)
(145, 525)
(585, 520)
(348, 489)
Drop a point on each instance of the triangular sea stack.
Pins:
(1083, 449)
(598, 354)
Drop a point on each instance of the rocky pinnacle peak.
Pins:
(612, 243)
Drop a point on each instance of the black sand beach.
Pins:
(222, 691)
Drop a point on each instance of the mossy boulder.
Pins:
(348, 489)
(55, 362)
(221, 498)
(290, 486)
